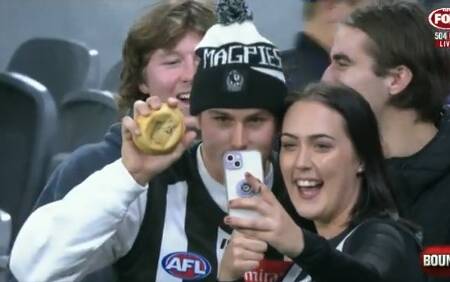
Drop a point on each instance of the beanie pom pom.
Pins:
(232, 11)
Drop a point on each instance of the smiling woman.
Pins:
(332, 159)
(312, 159)
(332, 165)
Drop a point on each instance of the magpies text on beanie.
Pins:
(238, 67)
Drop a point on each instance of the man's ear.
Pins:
(398, 79)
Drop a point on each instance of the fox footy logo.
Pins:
(440, 18)
(187, 266)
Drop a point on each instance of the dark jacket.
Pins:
(305, 63)
(380, 249)
(80, 164)
(421, 185)
(376, 249)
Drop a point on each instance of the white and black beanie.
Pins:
(238, 67)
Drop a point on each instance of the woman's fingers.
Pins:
(257, 224)
(255, 203)
(259, 187)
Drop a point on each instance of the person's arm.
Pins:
(375, 252)
(98, 220)
(93, 225)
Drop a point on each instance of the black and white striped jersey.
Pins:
(182, 236)
(169, 230)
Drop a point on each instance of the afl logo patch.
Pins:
(235, 81)
(186, 265)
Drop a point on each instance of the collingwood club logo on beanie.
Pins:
(235, 81)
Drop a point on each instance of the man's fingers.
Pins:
(172, 102)
(185, 143)
(251, 244)
(140, 108)
(188, 138)
(129, 128)
(154, 102)
(242, 266)
(191, 122)
(250, 264)
(247, 249)
(245, 254)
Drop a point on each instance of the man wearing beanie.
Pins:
(160, 217)
(242, 67)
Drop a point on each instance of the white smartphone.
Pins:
(236, 164)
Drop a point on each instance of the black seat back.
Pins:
(61, 65)
(5, 242)
(28, 120)
(85, 116)
(111, 82)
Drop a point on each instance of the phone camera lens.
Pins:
(237, 164)
(230, 157)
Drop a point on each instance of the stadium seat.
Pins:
(85, 116)
(61, 65)
(5, 242)
(111, 82)
(28, 121)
